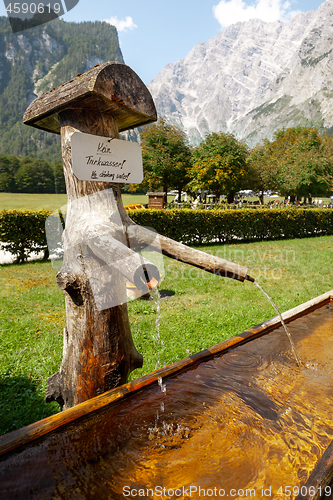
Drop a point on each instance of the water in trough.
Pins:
(249, 419)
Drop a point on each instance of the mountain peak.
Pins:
(253, 78)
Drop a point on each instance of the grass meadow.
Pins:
(27, 201)
(202, 310)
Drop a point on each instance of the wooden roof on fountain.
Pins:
(112, 87)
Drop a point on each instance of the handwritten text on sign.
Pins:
(96, 158)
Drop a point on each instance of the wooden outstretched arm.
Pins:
(138, 236)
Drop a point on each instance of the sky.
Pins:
(153, 33)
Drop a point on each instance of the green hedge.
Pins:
(205, 226)
(23, 232)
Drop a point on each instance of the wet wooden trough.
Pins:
(125, 439)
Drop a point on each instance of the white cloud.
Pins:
(232, 11)
(121, 24)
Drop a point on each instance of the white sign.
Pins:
(96, 158)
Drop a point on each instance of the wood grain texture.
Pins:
(98, 352)
(139, 235)
(113, 88)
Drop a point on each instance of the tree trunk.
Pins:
(261, 197)
(165, 189)
(179, 195)
(99, 352)
(231, 197)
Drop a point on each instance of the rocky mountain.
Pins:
(38, 59)
(253, 78)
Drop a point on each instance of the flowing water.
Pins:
(282, 322)
(155, 294)
(246, 420)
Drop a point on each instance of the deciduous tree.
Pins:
(298, 162)
(8, 167)
(166, 157)
(219, 165)
(34, 176)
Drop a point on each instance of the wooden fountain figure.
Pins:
(100, 239)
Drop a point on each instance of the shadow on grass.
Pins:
(21, 403)
(164, 294)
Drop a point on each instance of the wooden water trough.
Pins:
(79, 453)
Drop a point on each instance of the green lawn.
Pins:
(203, 311)
(24, 201)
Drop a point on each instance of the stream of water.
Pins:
(155, 294)
(282, 322)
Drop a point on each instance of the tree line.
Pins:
(297, 162)
(30, 175)
(35, 175)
